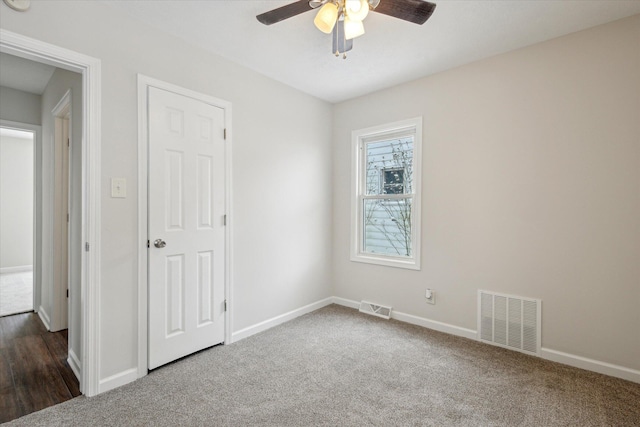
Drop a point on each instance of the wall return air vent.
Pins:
(510, 321)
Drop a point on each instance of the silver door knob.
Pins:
(159, 243)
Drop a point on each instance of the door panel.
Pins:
(186, 211)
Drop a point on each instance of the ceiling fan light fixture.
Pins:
(343, 18)
(357, 10)
(326, 18)
(352, 28)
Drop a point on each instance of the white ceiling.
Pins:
(23, 74)
(391, 52)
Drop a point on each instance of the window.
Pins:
(386, 194)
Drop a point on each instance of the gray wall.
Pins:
(531, 186)
(19, 106)
(282, 228)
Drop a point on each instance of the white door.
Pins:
(186, 226)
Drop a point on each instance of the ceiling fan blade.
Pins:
(416, 11)
(284, 12)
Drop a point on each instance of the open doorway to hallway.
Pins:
(40, 350)
(16, 220)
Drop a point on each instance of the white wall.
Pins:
(19, 106)
(16, 202)
(531, 186)
(282, 225)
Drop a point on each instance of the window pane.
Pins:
(387, 226)
(393, 181)
(389, 166)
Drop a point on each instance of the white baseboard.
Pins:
(18, 269)
(278, 320)
(118, 380)
(45, 318)
(74, 363)
(591, 365)
(419, 321)
(545, 353)
(347, 302)
(435, 325)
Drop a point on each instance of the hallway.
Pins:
(34, 373)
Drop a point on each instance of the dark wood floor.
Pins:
(34, 372)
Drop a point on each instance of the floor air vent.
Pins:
(375, 309)
(509, 321)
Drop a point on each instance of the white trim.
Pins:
(90, 68)
(63, 107)
(117, 380)
(60, 248)
(37, 192)
(44, 317)
(144, 82)
(228, 281)
(591, 364)
(74, 363)
(416, 320)
(358, 138)
(278, 320)
(346, 302)
(435, 325)
(17, 269)
(142, 228)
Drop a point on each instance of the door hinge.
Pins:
(67, 293)
(86, 247)
(67, 217)
(148, 244)
(225, 306)
(225, 133)
(224, 220)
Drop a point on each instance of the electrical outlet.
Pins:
(430, 295)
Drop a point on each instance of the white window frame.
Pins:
(358, 192)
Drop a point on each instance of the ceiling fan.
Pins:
(343, 18)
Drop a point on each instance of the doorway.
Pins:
(39, 348)
(88, 151)
(17, 195)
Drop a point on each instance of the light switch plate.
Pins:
(118, 188)
(19, 5)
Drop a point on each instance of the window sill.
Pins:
(387, 261)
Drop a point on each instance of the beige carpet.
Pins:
(336, 367)
(16, 293)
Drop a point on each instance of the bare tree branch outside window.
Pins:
(387, 221)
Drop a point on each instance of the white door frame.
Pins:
(90, 68)
(37, 192)
(60, 304)
(144, 83)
